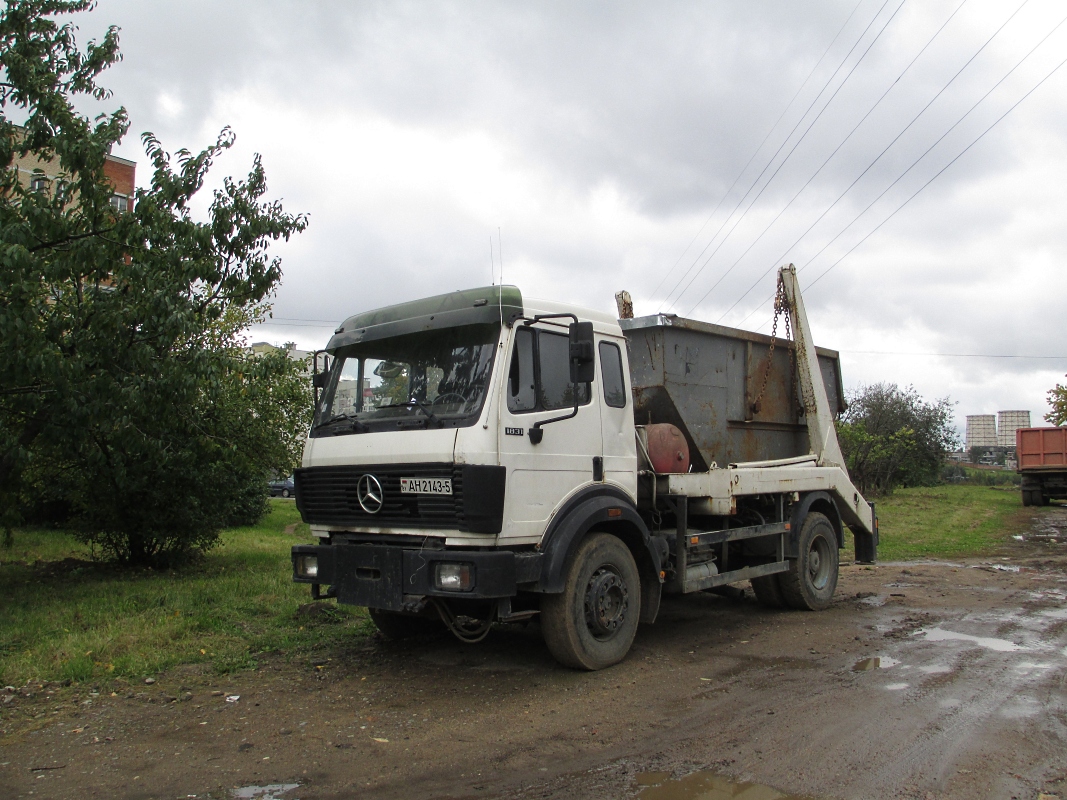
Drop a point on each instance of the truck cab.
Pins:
(453, 461)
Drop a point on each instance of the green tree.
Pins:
(126, 395)
(1057, 398)
(892, 437)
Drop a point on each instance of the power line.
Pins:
(886, 149)
(819, 170)
(916, 162)
(782, 164)
(296, 324)
(306, 319)
(755, 152)
(946, 355)
(770, 161)
(778, 169)
(938, 174)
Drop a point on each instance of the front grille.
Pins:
(328, 496)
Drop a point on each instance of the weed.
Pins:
(946, 521)
(66, 617)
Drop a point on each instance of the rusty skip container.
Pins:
(714, 383)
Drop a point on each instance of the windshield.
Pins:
(434, 378)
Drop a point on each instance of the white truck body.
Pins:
(492, 487)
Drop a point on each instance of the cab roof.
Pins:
(488, 304)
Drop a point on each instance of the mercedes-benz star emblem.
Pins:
(370, 494)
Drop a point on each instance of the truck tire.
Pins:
(812, 577)
(1027, 498)
(592, 622)
(394, 625)
(768, 591)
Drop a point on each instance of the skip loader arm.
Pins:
(856, 511)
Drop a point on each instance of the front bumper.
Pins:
(391, 577)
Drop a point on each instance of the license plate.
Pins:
(426, 486)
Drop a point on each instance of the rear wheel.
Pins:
(1027, 498)
(285, 492)
(768, 592)
(394, 625)
(812, 576)
(592, 623)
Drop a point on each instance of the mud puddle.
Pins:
(877, 662)
(272, 791)
(706, 786)
(989, 642)
(1052, 530)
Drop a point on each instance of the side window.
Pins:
(522, 394)
(611, 372)
(539, 378)
(557, 391)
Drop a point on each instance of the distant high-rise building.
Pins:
(981, 431)
(1007, 423)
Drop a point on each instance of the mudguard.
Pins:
(825, 505)
(611, 510)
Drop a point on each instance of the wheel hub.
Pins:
(606, 602)
(813, 562)
(819, 562)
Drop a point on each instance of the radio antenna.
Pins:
(500, 291)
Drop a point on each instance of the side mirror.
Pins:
(321, 380)
(582, 352)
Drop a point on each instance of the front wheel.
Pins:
(592, 623)
(285, 492)
(812, 577)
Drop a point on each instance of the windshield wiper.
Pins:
(357, 426)
(431, 417)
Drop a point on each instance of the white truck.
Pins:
(481, 457)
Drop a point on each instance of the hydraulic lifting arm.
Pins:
(822, 435)
(821, 432)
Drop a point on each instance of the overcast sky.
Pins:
(681, 151)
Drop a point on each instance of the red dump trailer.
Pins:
(1042, 456)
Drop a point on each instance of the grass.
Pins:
(950, 520)
(64, 618)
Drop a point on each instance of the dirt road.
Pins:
(929, 680)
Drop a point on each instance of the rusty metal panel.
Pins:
(1037, 448)
(705, 379)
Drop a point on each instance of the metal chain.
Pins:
(780, 306)
(807, 395)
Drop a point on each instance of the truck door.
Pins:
(617, 416)
(538, 387)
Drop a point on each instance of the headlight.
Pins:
(307, 566)
(454, 577)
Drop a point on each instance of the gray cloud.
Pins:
(600, 137)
